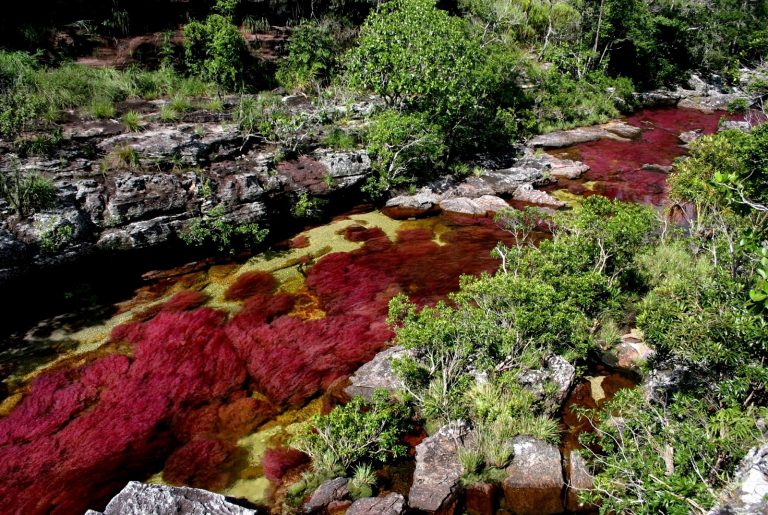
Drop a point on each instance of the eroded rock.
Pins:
(612, 130)
(556, 370)
(689, 136)
(748, 492)
(438, 470)
(142, 499)
(579, 479)
(391, 504)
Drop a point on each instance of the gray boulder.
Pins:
(612, 130)
(377, 373)
(689, 136)
(748, 492)
(143, 499)
(390, 504)
(345, 168)
(527, 193)
(141, 196)
(534, 482)
(727, 125)
(438, 470)
(473, 207)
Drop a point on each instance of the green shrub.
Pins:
(214, 50)
(39, 144)
(353, 433)
(340, 139)
(313, 55)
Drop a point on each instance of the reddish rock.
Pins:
(579, 479)
(481, 498)
(534, 483)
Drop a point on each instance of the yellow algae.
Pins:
(156, 479)
(9, 403)
(571, 199)
(590, 185)
(252, 485)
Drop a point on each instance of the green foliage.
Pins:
(313, 55)
(307, 206)
(266, 116)
(26, 193)
(101, 109)
(53, 240)
(214, 229)
(363, 481)
(403, 147)
(340, 139)
(39, 144)
(354, 433)
(669, 459)
(121, 157)
(214, 50)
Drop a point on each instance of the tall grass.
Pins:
(31, 94)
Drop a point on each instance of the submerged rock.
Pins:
(390, 504)
(142, 499)
(629, 353)
(534, 483)
(438, 470)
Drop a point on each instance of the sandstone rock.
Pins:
(748, 492)
(142, 196)
(403, 206)
(556, 370)
(93, 129)
(390, 504)
(480, 498)
(142, 499)
(332, 490)
(473, 207)
(660, 98)
(345, 168)
(147, 233)
(727, 125)
(62, 226)
(707, 102)
(438, 470)
(180, 143)
(660, 384)
(612, 130)
(534, 481)
(377, 373)
(688, 136)
(526, 193)
(578, 479)
(506, 181)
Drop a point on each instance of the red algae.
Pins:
(616, 167)
(249, 284)
(181, 395)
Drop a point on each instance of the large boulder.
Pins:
(345, 168)
(142, 499)
(138, 197)
(534, 483)
(420, 204)
(629, 353)
(330, 491)
(376, 374)
(748, 492)
(527, 193)
(689, 136)
(727, 125)
(390, 504)
(659, 98)
(481, 206)
(438, 470)
(481, 498)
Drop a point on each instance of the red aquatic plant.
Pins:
(280, 460)
(202, 463)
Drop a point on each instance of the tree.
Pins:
(214, 49)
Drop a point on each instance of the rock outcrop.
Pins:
(390, 504)
(579, 479)
(534, 483)
(629, 353)
(438, 470)
(142, 499)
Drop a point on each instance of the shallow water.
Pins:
(200, 374)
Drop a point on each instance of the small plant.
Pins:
(122, 156)
(340, 140)
(53, 240)
(215, 105)
(26, 192)
(101, 109)
(738, 105)
(306, 206)
(363, 481)
(38, 145)
(168, 113)
(329, 181)
(181, 104)
(254, 25)
(214, 229)
(471, 460)
(131, 120)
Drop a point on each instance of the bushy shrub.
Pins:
(214, 50)
(26, 192)
(314, 51)
(213, 228)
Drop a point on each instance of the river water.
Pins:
(197, 373)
